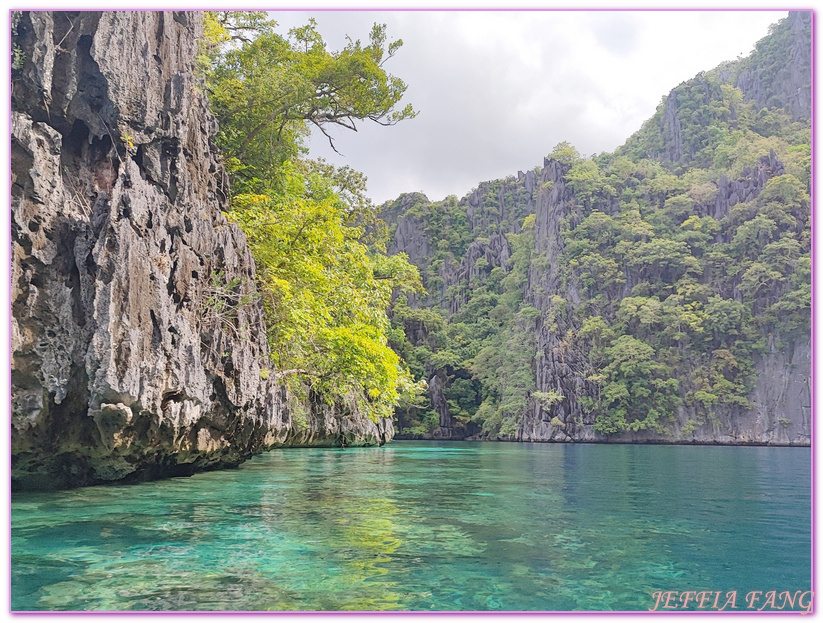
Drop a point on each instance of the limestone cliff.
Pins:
(781, 398)
(781, 395)
(516, 301)
(775, 77)
(138, 344)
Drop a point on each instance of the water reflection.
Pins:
(421, 526)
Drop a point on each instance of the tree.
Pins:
(640, 390)
(266, 90)
(325, 294)
(326, 284)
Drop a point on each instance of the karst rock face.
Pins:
(779, 405)
(781, 411)
(138, 343)
(781, 399)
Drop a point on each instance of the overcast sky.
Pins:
(496, 91)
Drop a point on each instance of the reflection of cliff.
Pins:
(424, 527)
(342, 536)
(371, 534)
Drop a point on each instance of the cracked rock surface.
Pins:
(138, 346)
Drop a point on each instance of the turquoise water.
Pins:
(425, 526)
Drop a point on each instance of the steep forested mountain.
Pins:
(658, 293)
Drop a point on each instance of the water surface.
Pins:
(425, 526)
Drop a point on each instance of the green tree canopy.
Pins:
(326, 284)
(267, 90)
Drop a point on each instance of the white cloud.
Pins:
(496, 90)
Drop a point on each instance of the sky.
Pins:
(495, 91)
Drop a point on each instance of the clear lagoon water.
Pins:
(425, 526)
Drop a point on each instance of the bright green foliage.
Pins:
(589, 183)
(326, 284)
(566, 153)
(267, 91)
(654, 300)
(325, 295)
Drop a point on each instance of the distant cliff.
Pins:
(657, 294)
(138, 344)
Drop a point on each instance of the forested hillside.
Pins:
(660, 292)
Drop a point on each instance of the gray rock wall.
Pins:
(781, 414)
(138, 345)
(776, 75)
(790, 84)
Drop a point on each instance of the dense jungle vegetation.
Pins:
(662, 292)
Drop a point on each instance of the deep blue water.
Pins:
(426, 526)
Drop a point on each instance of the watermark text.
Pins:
(730, 600)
